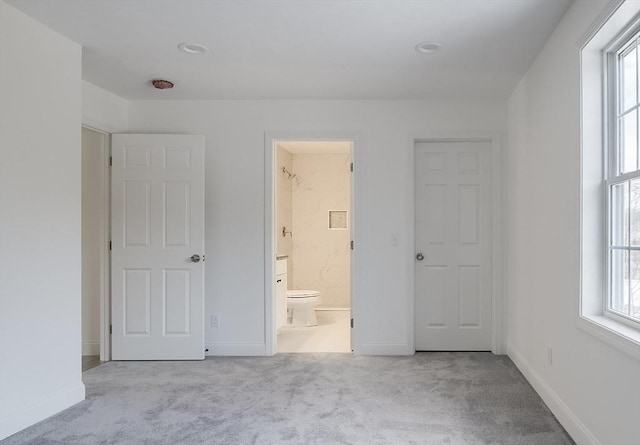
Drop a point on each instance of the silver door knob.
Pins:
(419, 256)
(195, 258)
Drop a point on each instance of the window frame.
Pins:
(611, 25)
(612, 152)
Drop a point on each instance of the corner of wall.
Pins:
(41, 409)
(40, 158)
(578, 431)
(103, 110)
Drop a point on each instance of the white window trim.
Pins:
(593, 225)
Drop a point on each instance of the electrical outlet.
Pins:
(215, 321)
(550, 355)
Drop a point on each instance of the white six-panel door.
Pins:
(157, 226)
(453, 307)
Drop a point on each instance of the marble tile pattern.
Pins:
(284, 203)
(321, 256)
(453, 398)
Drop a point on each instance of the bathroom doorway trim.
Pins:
(270, 143)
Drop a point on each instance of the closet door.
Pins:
(453, 212)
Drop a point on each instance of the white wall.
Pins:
(40, 367)
(321, 256)
(103, 110)
(235, 202)
(593, 388)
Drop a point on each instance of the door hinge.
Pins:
(352, 166)
(110, 329)
(110, 161)
(352, 323)
(351, 245)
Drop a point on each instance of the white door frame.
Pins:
(498, 345)
(270, 141)
(105, 257)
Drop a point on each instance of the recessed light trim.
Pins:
(192, 48)
(428, 47)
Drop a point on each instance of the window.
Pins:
(623, 182)
(608, 303)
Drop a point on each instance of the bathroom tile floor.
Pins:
(331, 335)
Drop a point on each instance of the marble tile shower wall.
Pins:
(320, 255)
(284, 204)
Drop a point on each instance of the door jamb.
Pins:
(498, 339)
(105, 257)
(270, 141)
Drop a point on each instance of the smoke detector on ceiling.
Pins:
(162, 84)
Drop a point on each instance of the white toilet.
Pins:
(302, 305)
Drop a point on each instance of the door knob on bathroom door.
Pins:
(195, 258)
(419, 256)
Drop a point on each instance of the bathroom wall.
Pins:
(322, 255)
(284, 204)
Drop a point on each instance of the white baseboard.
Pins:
(41, 409)
(502, 349)
(235, 349)
(384, 349)
(91, 348)
(576, 429)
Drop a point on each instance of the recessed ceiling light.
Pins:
(428, 47)
(192, 48)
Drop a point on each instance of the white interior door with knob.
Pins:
(157, 226)
(453, 210)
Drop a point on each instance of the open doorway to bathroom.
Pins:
(313, 225)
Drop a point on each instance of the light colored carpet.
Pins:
(430, 398)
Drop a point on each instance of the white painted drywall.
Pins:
(40, 332)
(321, 255)
(103, 110)
(235, 201)
(93, 244)
(593, 388)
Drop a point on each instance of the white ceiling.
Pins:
(304, 49)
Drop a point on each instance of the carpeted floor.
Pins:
(430, 398)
